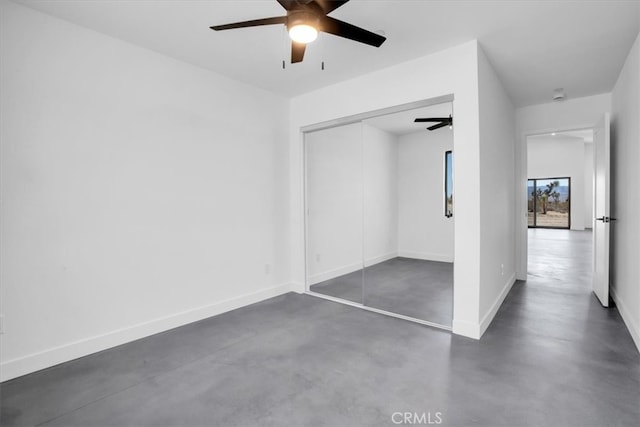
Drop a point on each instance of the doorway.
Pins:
(560, 193)
(560, 180)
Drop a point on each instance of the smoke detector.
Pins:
(558, 94)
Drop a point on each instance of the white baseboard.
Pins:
(297, 287)
(426, 256)
(488, 317)
(341, 271)
(629, 321)
(466, 329)
(336, 272)
(66, 352)
(380, 258)
(476, 330)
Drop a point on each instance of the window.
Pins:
(549, 202)
(448, 184)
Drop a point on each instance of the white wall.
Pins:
(625, 158)
(576, 113)
(453, 71)
(423, 230)
(572, 114)
(334, 201)
(135, 195)
(558, 157)
(497, 192)
(380, 163)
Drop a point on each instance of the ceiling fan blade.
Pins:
(438, 126)
(288, 4)
(343, 29)
(431, 119)
(329, 6)
(297, 52)
(252, 23)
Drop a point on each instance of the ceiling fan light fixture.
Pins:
(304, 20)
(303, 33)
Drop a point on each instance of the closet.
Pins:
(380, 215)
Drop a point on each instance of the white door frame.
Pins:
(522, 237)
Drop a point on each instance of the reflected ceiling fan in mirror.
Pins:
(440, 122)
(304, 19)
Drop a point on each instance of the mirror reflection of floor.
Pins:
(347, 286)
(411, 287)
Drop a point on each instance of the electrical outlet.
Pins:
(267, 269)
(317, 257)
(502, 269)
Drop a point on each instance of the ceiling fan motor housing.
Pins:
(302, 17)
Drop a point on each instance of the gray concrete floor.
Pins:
(411, 287)
(552, 357)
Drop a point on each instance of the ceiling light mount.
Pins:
(558, 94)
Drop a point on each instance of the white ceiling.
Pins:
(402, 123)
(535, 46)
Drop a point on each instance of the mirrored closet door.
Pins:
(408, 231)
(379, 198)
(334, 212)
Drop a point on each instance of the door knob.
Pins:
(606, 219)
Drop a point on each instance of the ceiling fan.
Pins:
(443, 121)
(304, 19)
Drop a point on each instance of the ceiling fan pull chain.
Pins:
(285, 46)
(321, 43)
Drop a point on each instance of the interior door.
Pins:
(602, 222)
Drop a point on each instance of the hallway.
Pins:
(552, 357)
